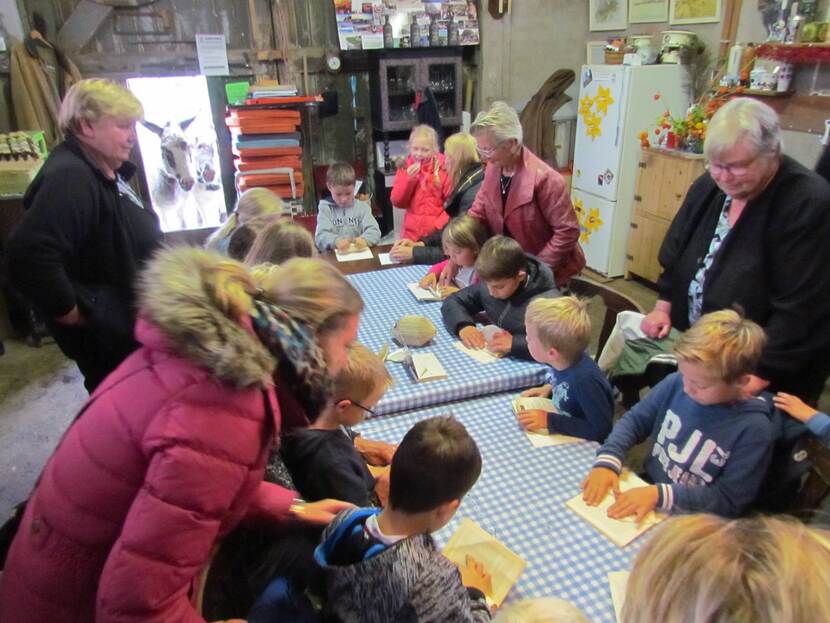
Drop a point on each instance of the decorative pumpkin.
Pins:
(414, 330)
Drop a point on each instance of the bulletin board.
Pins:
(440, 23)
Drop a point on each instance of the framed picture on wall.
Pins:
(607, 14)
(648, 11)
(694, 11)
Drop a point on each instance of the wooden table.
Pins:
(361, 266)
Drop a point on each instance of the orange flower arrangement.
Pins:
(688, 132)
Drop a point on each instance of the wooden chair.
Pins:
(614, 301)
(817, 485)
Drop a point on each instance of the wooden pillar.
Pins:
(731, 17)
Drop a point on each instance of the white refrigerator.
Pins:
(616, 103)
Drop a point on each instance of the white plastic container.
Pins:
(733, 65)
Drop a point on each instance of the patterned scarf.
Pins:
(300, 359)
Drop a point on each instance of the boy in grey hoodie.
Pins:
(342, 219)
(383, 565)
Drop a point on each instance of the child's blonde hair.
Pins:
(310, 290)
(340, 174)
(725, 342)
(280, 240)
(460, 148)
(254, 203)
(426, 133)
(562, 323)
(465, 232)
(429, 135)
(706, 569)
(363, 374)
(540, 610)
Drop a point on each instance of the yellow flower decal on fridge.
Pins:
(589, 220)
(593, 222)
(585, 105)
(603, 100)
(593, 126)
(594, 109)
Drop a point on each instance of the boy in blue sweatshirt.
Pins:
(343, 220)
(711, 444)
(558, 332)
(816, 422)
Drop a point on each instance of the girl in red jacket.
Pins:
(422, 185)
(168, 454)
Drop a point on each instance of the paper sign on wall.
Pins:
(213, 55)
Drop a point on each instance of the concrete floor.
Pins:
(41, 391)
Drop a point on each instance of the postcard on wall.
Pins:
(694, 11)
(502, 565)
(608, 14)
(372, 41)
(648, 11)
(360, 23)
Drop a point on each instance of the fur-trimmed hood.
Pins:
(174, 297)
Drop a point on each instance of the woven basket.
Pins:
(614, 58)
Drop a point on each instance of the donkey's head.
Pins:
(176, 159)
(205, 160)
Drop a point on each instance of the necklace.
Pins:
(504, 183)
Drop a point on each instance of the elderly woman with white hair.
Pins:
(523, 197)
(85, 233)
(753, 231)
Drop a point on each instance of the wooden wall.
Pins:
(276, 38)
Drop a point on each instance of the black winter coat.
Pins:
(82, 242)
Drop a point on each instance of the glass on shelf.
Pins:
(442, 78)
(400, 80)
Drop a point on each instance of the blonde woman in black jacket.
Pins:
(86, 233)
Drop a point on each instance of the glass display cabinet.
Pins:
(397, 78)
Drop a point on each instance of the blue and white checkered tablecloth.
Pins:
(387, 299)
(520, 499)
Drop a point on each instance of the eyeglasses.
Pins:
(735, 168)
(486, 152)
(359, 406)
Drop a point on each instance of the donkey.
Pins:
(210, 202)
(171, 187)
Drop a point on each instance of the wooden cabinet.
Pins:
(396, 78)
(664, 177)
